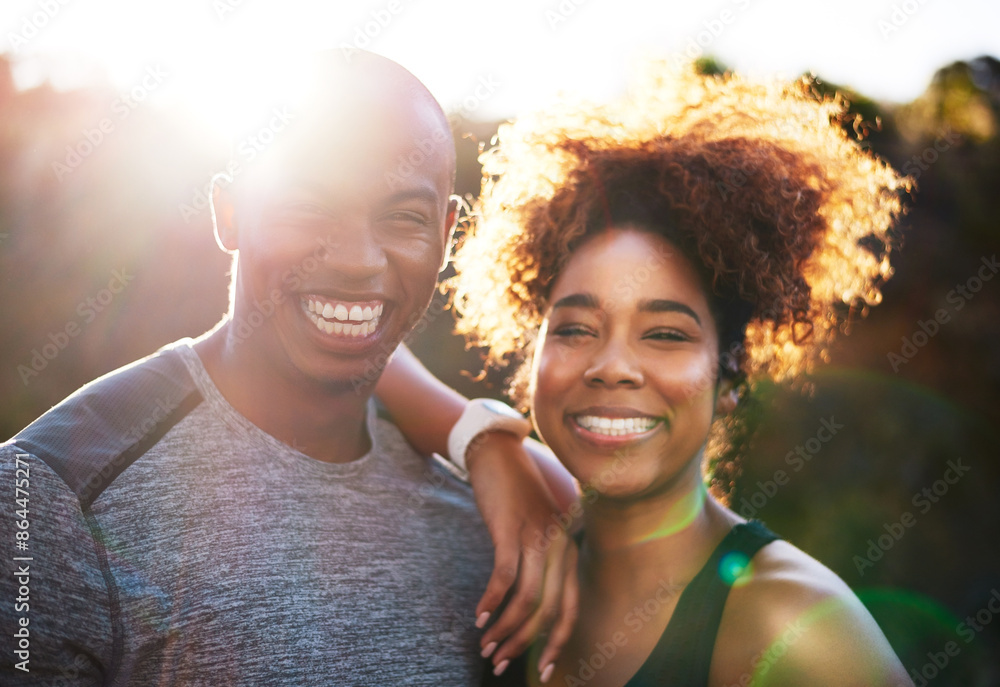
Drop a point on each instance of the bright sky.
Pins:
(496, 59)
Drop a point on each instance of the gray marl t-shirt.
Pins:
(171, 541)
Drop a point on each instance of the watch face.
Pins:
(500, 408)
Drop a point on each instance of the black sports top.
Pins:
(683, 655)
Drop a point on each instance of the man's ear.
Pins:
(450, 223)
(726, 397)
(224, 213)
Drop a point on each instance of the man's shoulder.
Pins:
(89, 438)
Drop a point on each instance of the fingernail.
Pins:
(501, 666)
(489, 649)
(547, 673)
(481, 620)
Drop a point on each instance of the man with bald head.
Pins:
(230, 510)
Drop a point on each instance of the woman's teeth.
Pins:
(616, 426)
(346, 319)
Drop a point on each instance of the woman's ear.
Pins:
(224, 213)
(726, 397)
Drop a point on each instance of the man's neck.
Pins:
(325, 424)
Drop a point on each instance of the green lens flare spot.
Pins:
(735, 569)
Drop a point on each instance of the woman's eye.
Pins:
(568, 331)
(667, 335)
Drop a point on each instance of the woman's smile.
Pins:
(613, 427)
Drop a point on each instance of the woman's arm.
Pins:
(522, 492)
(833, 642)
(425, 409)
(421, 405)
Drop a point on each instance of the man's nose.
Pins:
(354, 250)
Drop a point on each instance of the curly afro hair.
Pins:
(789, 220)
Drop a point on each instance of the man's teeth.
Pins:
(339, 319)
(616, 426)
(340, 311)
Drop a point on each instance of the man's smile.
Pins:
(342, 318)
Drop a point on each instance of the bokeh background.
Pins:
(106, 250)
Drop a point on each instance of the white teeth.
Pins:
(616, 426)
(337, 319)
(344, 328)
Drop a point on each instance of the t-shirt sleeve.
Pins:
(55, 609)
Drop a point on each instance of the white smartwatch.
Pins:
(483, 415)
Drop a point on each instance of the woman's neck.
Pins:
(630, 546)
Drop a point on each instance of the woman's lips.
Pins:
(613, 426)
(616, 426)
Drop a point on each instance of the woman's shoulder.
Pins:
(794, 620)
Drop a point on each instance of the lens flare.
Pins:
(735, 569)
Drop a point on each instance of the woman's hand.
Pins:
(535, 559)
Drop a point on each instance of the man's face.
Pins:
(344, 240)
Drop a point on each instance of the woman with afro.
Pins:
(649, 260)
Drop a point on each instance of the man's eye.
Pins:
(407, 217)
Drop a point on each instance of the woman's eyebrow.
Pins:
(577, 300)
(588, 300)
(665, 305)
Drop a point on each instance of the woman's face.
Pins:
(623, 381)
